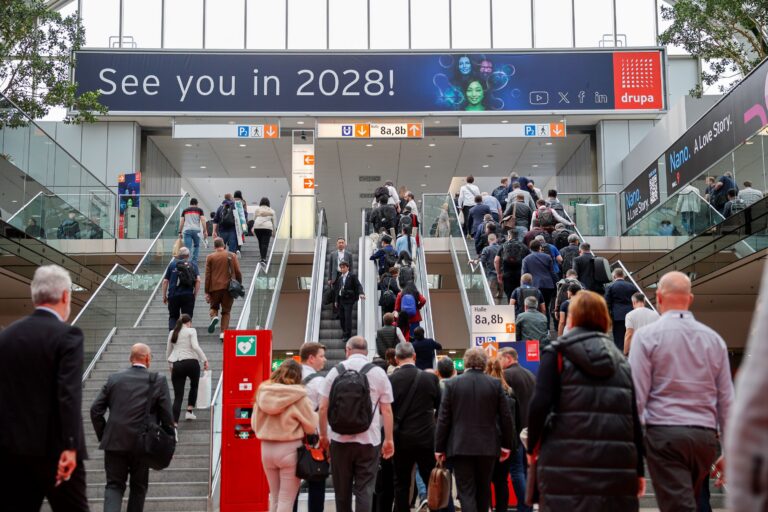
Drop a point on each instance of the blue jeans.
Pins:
(192, 242)
(230, 239)
(420, 486)
(517, 472)
(520, 232)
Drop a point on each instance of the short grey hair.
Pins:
(183, 253)
(357, 343)
(540, 239)
(531, 302)
(49, 283)
(573, 238)
(404, 351)
(475, 359)
(618, 273)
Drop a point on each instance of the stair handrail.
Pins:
(460, 281)
(34, 198)
(314, 310)
(421, 260)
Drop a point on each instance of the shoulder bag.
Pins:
(235, 289)
(311, 463)
(154, 444)
(439, 488)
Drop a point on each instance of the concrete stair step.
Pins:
(158, 489)
(200, 474)
(183, 448)
(96, 459)
(154, 504)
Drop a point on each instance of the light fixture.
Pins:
(548, 143)
(243, 145)
(299, 122)
(485, 166)
(188, 145)
(369, 145)
(203, 167)
(427, 166)
(14, 201)
(504, 121)
(423, 184)
(253, 167)
(289, 353)
(749, 142)
(451, 351)
(431, 144)
(535, 165)
(437, 121)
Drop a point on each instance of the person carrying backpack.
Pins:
(545, 217)
(554, 203)
(356, 402)
(560, 236)
(509, 263)
(525, 290)
(386, 257)
(389, 290)
(224, 223)
(501, 192)
(410, 302)
(388, 335)
(180, 286)
(384, 217)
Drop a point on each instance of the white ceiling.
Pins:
(262, 167)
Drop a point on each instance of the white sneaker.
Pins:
(238, 254)
(212, 325)
(221, 337)
(190, 416)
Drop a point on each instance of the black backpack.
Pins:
(381, 192)
(227, 216)
(513, 252)
(602, 270)
(405, 276)
(560, 238)
(185, 275)
(546, 217)
(406, 222)
(500, 193)
(387, 300)
(557, 206)
(390, 258)
(349, 405)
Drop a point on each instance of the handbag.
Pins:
(510, 221)
(154, 444)
(439, 488)
(235, 288)
(311, 462)
(204, 390)
(177, 245)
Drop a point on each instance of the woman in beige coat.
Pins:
(282, 414)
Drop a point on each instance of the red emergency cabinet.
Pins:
(247, 362)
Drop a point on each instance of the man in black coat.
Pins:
(472, 409)
(125, 396)
(340, 254)
(42, 446)
(619, 298)
(414, 422)
(584, 265)
(346, 290)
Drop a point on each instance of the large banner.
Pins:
(352, 83)
(738, 115)
(641, 195)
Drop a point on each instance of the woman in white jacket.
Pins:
(184, 355)
(263, 226)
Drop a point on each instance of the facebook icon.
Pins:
(347, 130)
(530, 130)
(243, 131)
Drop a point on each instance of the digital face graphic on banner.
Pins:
(362, 83)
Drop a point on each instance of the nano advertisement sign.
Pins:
(641, 195)
(251, 83)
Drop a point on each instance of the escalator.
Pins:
(330, 333)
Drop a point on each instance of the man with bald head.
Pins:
(684, 390)
(125, 395)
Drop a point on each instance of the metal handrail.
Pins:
(24, 206)
(97, 356)
(462, 291)
(311, 333)
(429, 328)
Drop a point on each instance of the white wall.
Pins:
(615, 140)
(579, 174)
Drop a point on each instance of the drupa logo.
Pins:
(637, 80)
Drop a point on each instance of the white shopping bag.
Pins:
(204, 391)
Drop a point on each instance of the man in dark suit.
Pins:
(340, 254)
(619, 298)
(472, 409)
(414, 422)
(125, 396)
(42, 446)
(584, 265)
(346, 290)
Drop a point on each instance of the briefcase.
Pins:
(439, 490)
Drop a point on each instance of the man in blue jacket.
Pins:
(541, 266)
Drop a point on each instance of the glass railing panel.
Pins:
(683, 215)
(144, 216)
(439, 218)
(596, 214)
(52, 218)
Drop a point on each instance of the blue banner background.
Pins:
(414, 82)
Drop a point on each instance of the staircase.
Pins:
(330, 328)
(183, 486)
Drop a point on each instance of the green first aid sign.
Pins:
(245, 346)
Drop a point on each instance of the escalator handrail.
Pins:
(429, 328)
(24, 206)
(171, 217)
(314, 310)
(460, 278)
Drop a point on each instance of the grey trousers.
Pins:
(679, 459)
(354, 467)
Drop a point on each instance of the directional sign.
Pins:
(371, 130)
(309, 183)
(491, 348)
(309, 159)
(226, 131)
(524, 130)
(492, 324)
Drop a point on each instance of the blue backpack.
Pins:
(408, 305)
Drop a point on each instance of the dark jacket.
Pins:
(476, 214)
(125, 396)
(472, 408)
(619, 298)
(41, 365)
(416, 426)
(334, 263)
(386, 337)
(384, 216)
(591, 445)
(584, 266)
(542, 267)
(522, 382)
(425, 352)
(522, 213)
(349, 292)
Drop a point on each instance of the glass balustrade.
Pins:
(144, 216)
(595, 214)
(438, 216)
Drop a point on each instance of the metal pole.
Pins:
(450, 24)
(245, 24)
(490, 6)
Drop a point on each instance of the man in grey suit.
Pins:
(474, 428)
(125, 395)
(340, 254)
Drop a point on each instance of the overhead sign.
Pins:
(205, 82)
(371, 130)
(641, 195)
(733, 119)
(226, 131)
(524, 130)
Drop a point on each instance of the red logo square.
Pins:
(637, 81)
(531, 350)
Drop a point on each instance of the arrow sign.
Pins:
(362, 131)
(309, 183)
(271, 131)
(414, 129)
(557, 129)
(309, 159)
